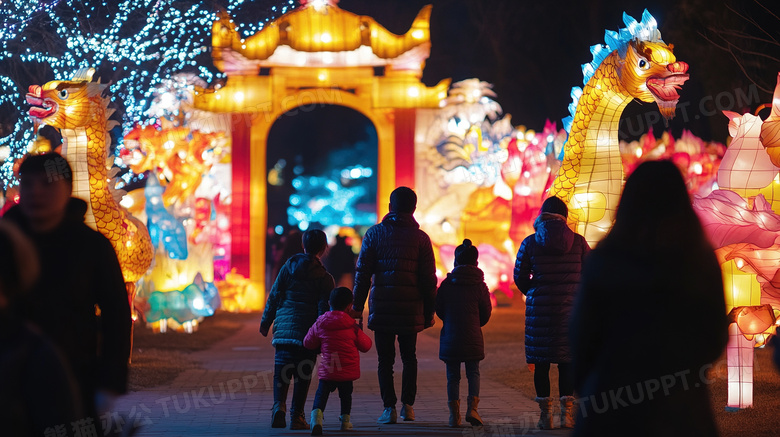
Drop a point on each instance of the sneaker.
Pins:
(407, 413)
(298, 421)
(388, 416)
(316, 422)
(346, 425)
(277, 418)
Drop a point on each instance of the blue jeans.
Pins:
(385, 351)
(327, 387)
(453, 379)
(292, 362)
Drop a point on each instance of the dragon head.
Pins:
(651, 73)
(67, 104)
(646, 67)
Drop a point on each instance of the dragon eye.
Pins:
(644, 65)
(63, 94)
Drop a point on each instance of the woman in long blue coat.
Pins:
(548, 271)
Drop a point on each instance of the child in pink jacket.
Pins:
(340, 339)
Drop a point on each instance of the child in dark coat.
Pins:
(299, 295)
(463, 304)
(340, 339)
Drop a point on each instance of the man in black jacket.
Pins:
(398, 257)
(80, 273)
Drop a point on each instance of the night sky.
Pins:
(532, 52)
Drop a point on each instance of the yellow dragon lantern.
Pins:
(78, 109)
(635, 64)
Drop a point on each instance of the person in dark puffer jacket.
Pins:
(398, 257)
(299, 295)
(463, 304)
(548, 270)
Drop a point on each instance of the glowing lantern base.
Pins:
(739, 354)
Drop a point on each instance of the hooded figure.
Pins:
(547, 270)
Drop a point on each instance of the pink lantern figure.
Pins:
(740, 222)
(746, 165)
(525, 170)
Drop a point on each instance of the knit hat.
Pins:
(555, 205)
(466, 254)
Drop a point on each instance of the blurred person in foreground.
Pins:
(81, 301)
(650, 316)
(37, 390)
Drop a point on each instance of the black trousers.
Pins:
(542, 379)
(385, 350)
(327, 387)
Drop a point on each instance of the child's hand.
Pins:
(354, 314)
(264, 331)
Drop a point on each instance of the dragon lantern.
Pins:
(80, 111)
(634, 64)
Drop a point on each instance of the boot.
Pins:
(567, 411)
(546, 417)
(316, 422)
(277, 415)
(298, 421)
(346, 425)
(472, 416)
(454, 413)
(407, 412)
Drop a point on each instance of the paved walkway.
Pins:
(231, 395)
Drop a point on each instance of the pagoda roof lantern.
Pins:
(319, 33)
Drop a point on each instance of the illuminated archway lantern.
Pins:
(318, 54)
(634, 64)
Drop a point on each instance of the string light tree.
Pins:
(133, 44)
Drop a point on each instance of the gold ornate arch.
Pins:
(316, 55)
